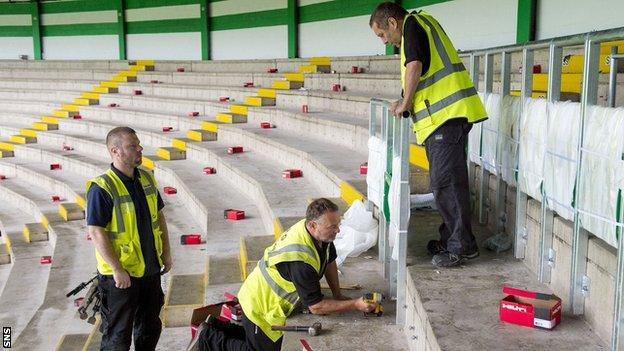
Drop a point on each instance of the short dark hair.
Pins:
(319, 207)
(384, 11)
(113, 136)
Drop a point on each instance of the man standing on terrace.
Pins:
(126, 223)
(444, 104)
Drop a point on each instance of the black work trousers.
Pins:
(134, 309)
(448, 173)
(222, 336)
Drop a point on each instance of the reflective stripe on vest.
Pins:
(278, 290)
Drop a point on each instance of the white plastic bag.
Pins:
(374, 176)
(358, 232)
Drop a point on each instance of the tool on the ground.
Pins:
(312, 330)
(305, 346)
(376, 298)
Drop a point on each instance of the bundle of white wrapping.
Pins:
(534, 127)
(602, 171)
(376, 168)
(511, 108)
(489, 132)
(394, 201)
(474, 140)
(560, 172)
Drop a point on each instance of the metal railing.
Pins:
(395, 137)
(579, 282)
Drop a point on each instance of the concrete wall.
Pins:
(84, 47)
(164, 46)
(247, 43)
(561, 17)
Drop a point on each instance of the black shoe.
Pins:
(446, 259)
(435, 247)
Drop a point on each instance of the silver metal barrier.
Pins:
(395, 137)
(579, 281)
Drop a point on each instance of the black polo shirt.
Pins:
(304, 276)
(416, 44)
(100, 213)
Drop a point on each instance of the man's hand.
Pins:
(167, 262)
(400, 107)
(364, 306)
(122, 279)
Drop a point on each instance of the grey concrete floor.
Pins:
(463, 302)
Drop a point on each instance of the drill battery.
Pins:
(374, 297)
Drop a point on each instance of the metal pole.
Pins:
(617, 339)
(521, 198)
(612, 76)
(579, 287)
(484, 189)
(501, 186)
(404, 213)
(474, 75)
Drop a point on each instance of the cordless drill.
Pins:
(376, 298)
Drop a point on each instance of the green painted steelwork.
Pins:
(121, 27)
(164, 26)
(526, 21)
(36, 29)
(293, 33)
(205, 28)
(250, 20)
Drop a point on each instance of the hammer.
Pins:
(313, 330)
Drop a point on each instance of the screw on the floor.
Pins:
(414, 337)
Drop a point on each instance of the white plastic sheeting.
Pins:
(560, 172)
(534, 128)
(376, 169)
(474, 140)
(602, 171)
(511, 108)
(394, 200)
(358, 232)
(489, 132)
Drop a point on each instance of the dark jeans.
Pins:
(136, 308)
(230, 337)
(448, 172)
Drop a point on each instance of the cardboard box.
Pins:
(169, 190)
(190, 239)
(200, 314)
(235, 150)
(292, 173)
(530, 309)
(364, 168)
(233, 214)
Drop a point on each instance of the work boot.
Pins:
(435, 247)
(446, 259)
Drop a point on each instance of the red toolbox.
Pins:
(169, 190)
(305, 109)
(235, 150)
(530, 309)
(193, 114)
(190, 239)
(248, 85)
(45, 260)
(55, 198)
(137, 92)
(265, 125)
(167, 129)
(291, 173)
(77, 117)
(364, 168)
(224, 98)
(234, 215)
(2, 177)
(209, 170)
(355, 69)
(181, 69)
(55, 166)
(154, 81)
(336, 87)
(272, 70)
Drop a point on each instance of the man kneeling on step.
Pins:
(288, 273)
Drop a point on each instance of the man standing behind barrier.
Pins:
(288, 273)
(129, 230)
(439, 93)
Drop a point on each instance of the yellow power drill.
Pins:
(376, 298)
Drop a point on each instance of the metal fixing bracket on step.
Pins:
(552, 255)
(585, 284)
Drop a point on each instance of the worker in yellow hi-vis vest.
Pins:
(288, 273)
(128, 228)
(443, 103)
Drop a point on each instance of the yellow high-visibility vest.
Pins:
(122, 230)
(445, 91)
(268, 299)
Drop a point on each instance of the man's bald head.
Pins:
(116, 136)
